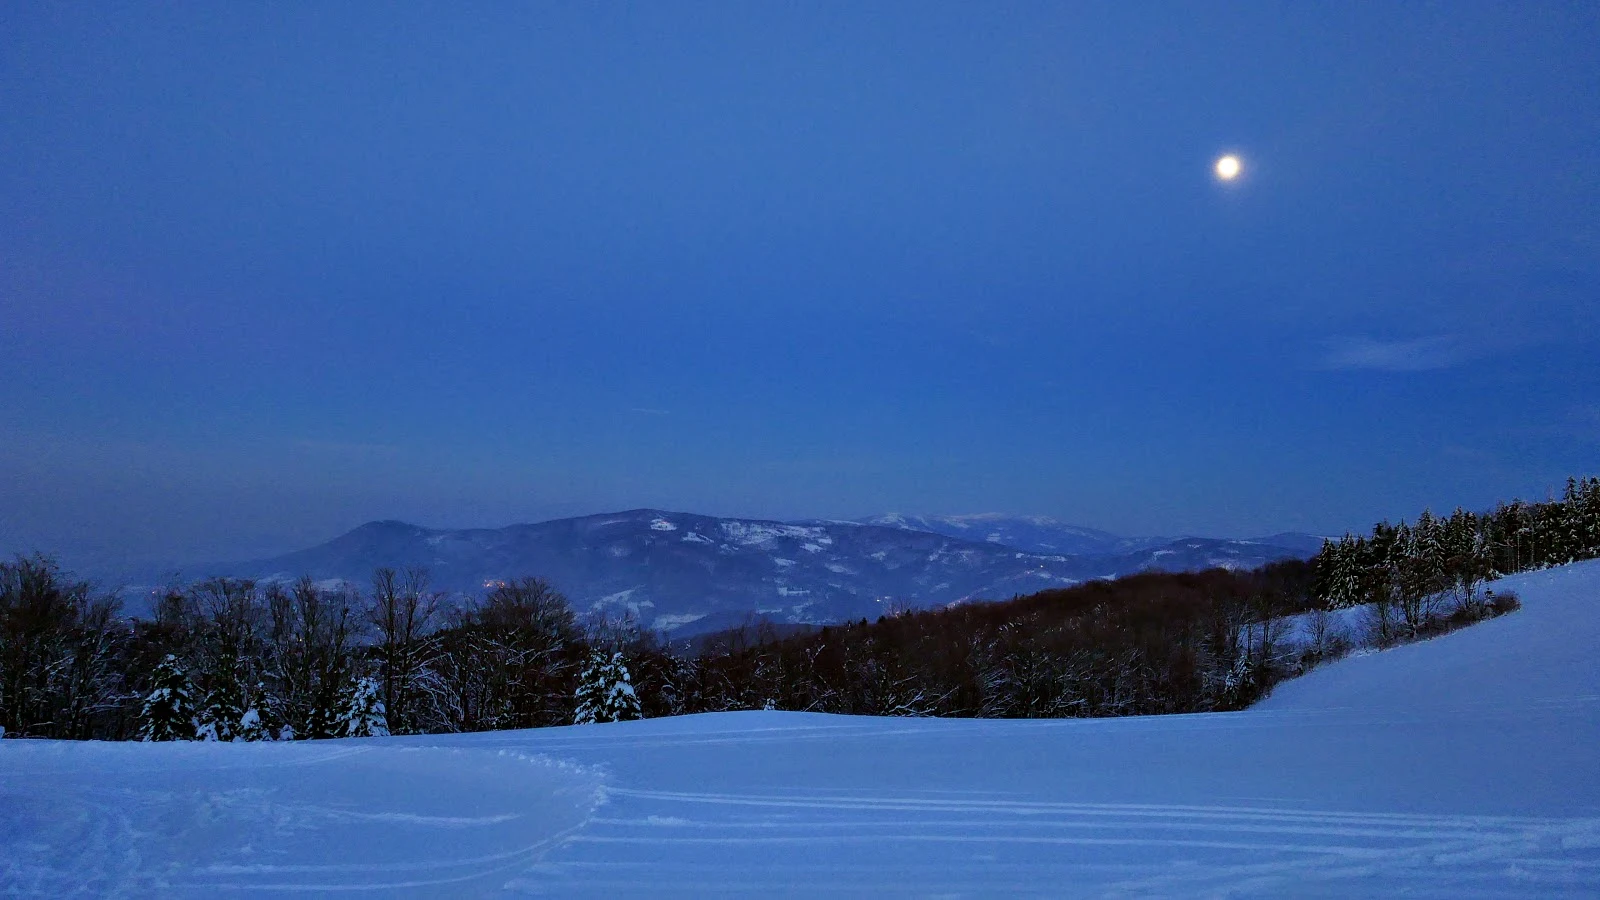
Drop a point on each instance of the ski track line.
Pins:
(1016, 807)
(657, 822)
(518, 860)
(1480, 860)
(1437, 855)
(1246, 721)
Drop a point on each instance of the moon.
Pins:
(1228, 167)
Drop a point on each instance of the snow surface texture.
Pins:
(192, 819)
(1465, 766)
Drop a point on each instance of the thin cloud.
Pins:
(647, 411)
(1417, 355)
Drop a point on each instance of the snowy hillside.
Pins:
(1462, 766)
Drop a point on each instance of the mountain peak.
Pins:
(385, 527)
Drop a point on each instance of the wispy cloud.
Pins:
(1416, 355)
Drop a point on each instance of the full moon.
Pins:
(1228, 167)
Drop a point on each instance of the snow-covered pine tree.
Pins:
(168, 711)
(1345, 576)
(1428, 554)
(260, 720)
(1378, 569)
(1458, 536)
(250, 727)
(363, 714)
(621, 700)
(1574, 528)
(1324, 566)
(225, 704)
(591, 691)
(1590, 503)
(1524, 535)
(605, 691)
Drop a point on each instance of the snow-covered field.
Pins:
(1467, 766)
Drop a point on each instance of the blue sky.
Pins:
(268, 272)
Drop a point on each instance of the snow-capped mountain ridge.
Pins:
(675, 570)
(1042, 534)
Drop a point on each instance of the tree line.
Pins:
(1143, 644)
(232, 659)
(1417, 576)
(1160, 643)
(227, 659)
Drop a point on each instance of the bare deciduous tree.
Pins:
(401, 611)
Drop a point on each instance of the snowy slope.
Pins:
(1543, 654)
(1462, 767)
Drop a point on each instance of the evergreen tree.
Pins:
(168, 711)
(250, 727)
(1479, 567)
(1324, 566)
(1549, 535)
(591, 691)
(1336, 584)
(225, 704)
(1575, 542)
(1428, 550)
(1347, 585)
(1376, 567)
(605, 691)
(363, 713)
(1589, 504)
(1458, 536)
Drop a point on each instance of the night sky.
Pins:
(271, 271)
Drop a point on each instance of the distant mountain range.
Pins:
(1034, 534)
(1040, 534)
(687, 573)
